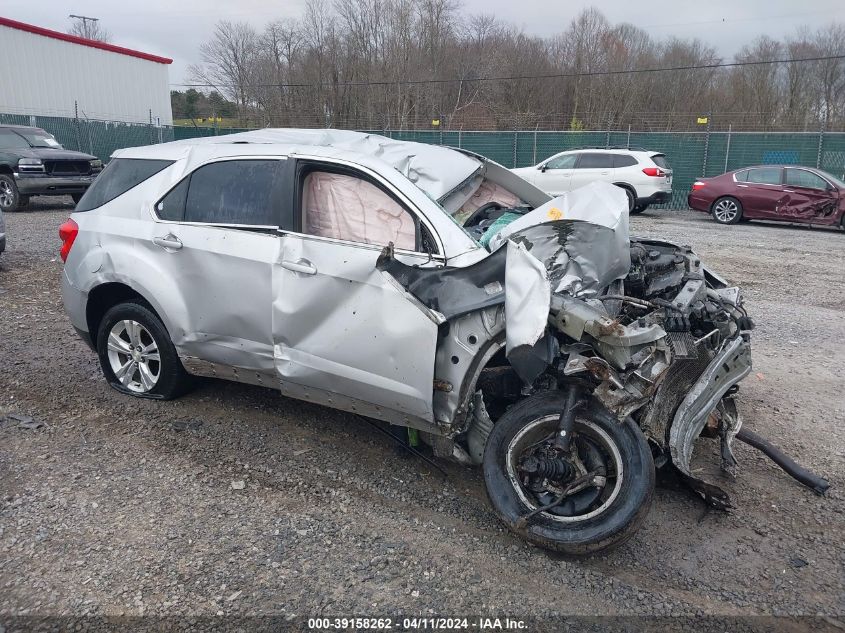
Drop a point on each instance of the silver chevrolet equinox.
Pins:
(427, 287)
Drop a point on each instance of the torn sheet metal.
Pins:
(730, 365)
(581, 258)
(598, 203)
(527, 296)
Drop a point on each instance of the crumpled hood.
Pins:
(581, 238)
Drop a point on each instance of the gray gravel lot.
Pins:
(123, 506)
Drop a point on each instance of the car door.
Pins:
(216, 235)
(592, 166)
(344, 333)
(555, 174)
(809, 198)
(761, 192)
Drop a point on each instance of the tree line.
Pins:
(419, 64)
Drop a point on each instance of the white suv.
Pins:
(645, 176)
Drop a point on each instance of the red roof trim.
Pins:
(73, 39)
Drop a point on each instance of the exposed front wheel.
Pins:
(591, 499)
(10, 197)
(727, 210)
(136, 354)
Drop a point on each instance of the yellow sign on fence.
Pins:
(702, 120)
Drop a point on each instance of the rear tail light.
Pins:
(67, 232)
(697, 185)
(653, 171)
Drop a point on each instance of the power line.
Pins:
(596, 73)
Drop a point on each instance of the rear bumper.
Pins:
(75, 301)
(658, 197)
(42, 184)
(697, 204)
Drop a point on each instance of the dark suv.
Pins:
(33, 163)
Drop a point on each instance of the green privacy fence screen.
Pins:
(691, 154)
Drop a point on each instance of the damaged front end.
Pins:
(567, 301)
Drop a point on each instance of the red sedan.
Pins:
(772, 192)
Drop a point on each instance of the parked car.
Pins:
(645, 176)
(329, 265)
(785, 193)
(33, 163)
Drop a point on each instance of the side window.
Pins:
(346, 207)
(242, 192)
(741, 176)
(803, 178)
(767, 176)
(10, 140)
(595, 161)
(118, 177)
(625, 160)
(566, 161)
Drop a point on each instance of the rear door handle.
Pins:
(168, 241)
(788, 191)
(302, 266)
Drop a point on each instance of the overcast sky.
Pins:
(176, 28)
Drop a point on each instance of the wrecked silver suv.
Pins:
(428, 288)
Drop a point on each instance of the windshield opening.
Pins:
(40, 138)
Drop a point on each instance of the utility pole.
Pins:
(84, 19)
(92, 31)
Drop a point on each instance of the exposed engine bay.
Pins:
(637, 327)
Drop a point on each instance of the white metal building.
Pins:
(49, 73)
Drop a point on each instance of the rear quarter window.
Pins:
(623, 160)
(119, 176)
(660, 161)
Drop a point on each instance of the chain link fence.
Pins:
(691, 154)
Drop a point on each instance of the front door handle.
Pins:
(169, 241)
(302, 266)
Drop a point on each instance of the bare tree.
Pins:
(229, 61)
(90, 29)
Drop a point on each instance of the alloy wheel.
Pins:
(725, 210)
(7, 196)
(134, 356)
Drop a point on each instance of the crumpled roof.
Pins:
(434, 169)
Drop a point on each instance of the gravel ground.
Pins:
(235, 500)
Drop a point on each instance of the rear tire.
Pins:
(727, 210)
(639, 209)
(607, 520)
(137, 356)
(10, 197)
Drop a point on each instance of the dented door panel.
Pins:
(342, 329)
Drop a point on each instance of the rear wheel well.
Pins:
(625, 185)
(104, 297)
(5, 169)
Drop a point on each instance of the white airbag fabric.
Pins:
(348, 208)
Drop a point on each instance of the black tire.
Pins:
(726, 210)
(638, 209)
(619, 516)
(10, 197)
(76, 197)
(172, 380)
